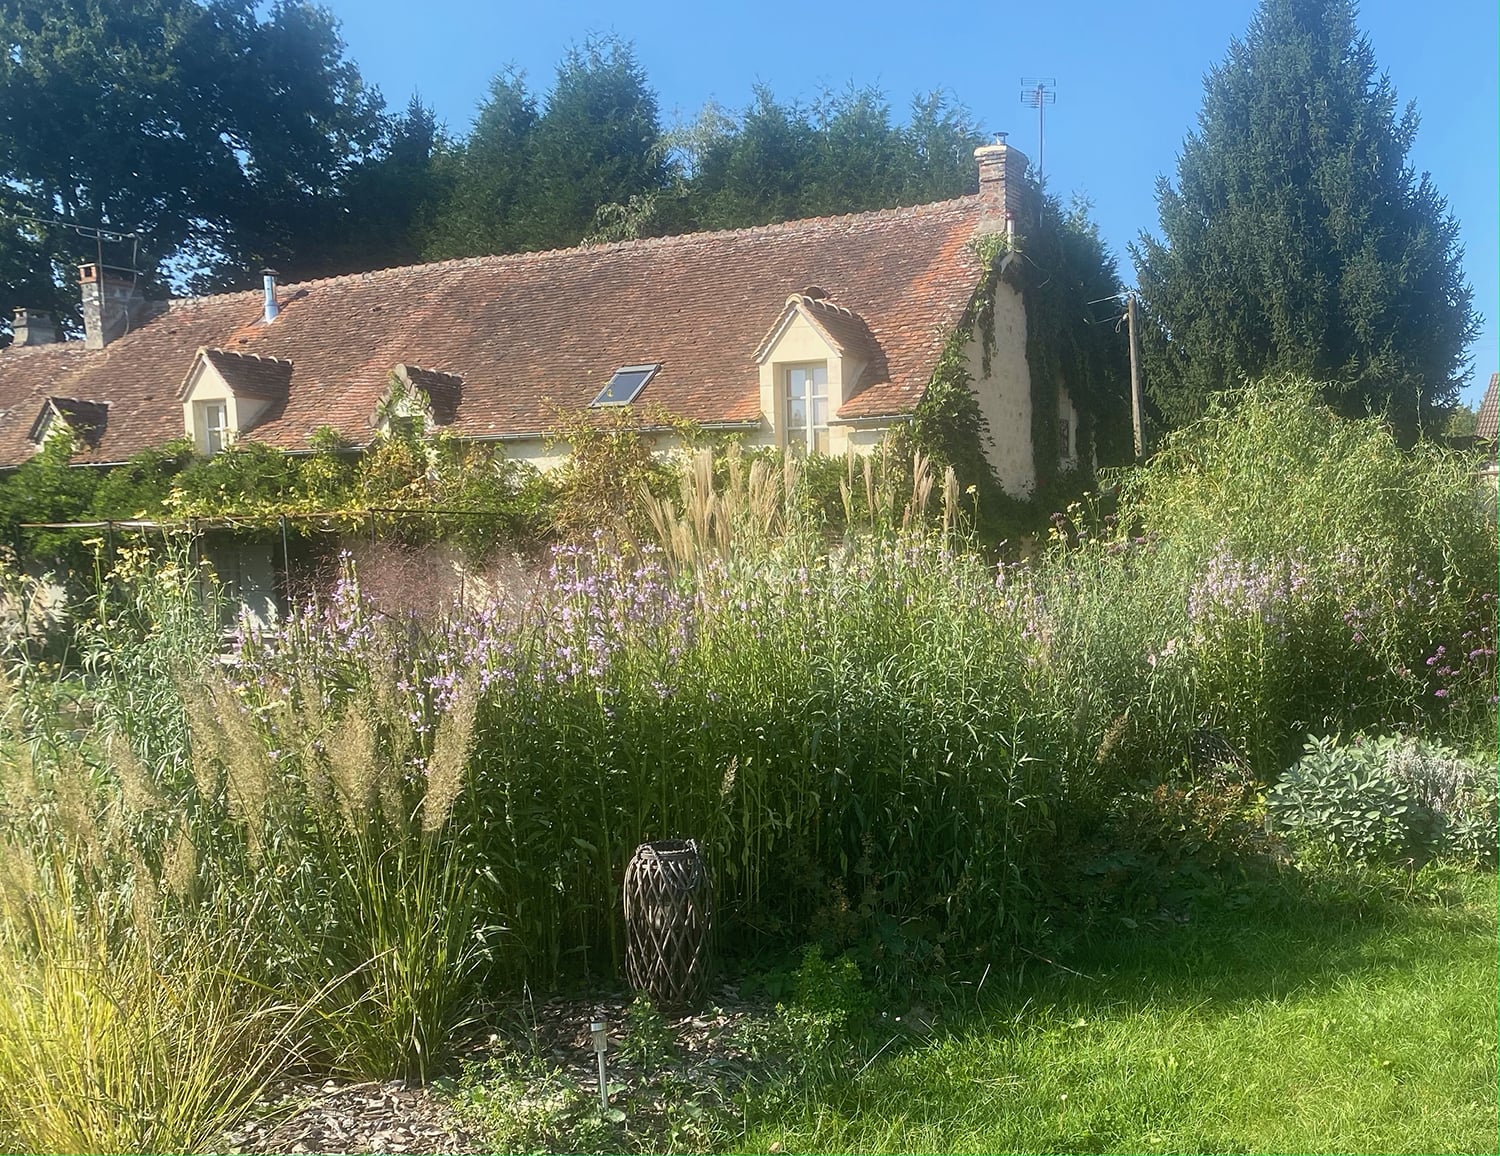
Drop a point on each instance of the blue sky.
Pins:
(1129, 80)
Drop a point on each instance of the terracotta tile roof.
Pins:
(1487, 423)
(513, 332)
(267, 378)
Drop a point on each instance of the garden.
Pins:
(1175, 831)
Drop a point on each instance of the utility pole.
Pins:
(1037, 92)
(1137, 416)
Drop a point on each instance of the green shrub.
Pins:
(1386, 799)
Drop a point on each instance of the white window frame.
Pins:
(215, 438)
(808, 433)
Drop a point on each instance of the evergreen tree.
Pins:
(1298, 240)
(484, 210)
(598, 143)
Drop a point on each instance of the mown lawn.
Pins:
(1319, 1027)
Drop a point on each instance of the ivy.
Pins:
(1064, 275)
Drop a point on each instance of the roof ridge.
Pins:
(245, 353)
(674, 239)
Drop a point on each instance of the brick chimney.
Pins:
(32, 327)
(1002, 191)
(112, 305)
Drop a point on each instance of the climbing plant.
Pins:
(1068, 283)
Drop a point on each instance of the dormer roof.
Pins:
(843, 329)
(84, 419)
(444, 390)
(246, 374)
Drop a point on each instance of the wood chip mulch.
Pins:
(336, 1116)
(343, 1117)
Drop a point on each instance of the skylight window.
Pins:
(626, 384)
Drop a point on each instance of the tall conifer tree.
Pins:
(1298, 239)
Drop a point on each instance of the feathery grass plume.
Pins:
(248, 772)
(763, 499)
(921, 492)
(388, 713)
(791, 481)
(205, 751)
(143, 900)
(448, 767)
(73, 797)
(353, 762)
(179, 865)
(951, 510)
(138, 794)
(20, 885)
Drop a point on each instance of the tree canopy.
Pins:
(221, 134)
(1298, 240)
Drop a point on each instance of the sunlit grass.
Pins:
(1312, 1030)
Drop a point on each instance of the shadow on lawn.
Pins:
(1260, 942)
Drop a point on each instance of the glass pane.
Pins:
(820, 376)
(625, 385)
(796, 413)
(820, 441)
(820, 412)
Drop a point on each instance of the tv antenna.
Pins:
(1038, 92)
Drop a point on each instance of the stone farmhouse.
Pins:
(816, 335)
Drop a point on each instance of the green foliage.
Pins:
(1071, 289)
(1272, 472)
(948, 423)
(48, 489)
(777, 162)
(138, 488)
(247, 477)
(648, 1043)
(227, 136)
(1386, 799)
(537, 179)
(1297, 240)
(611, 462)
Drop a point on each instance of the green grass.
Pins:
(1314, 1028)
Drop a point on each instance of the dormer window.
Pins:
(83, 421)
(226, 394)
(816, 358)
(626, 385)
(213, 425)
(807, 408)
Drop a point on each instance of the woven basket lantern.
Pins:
(668, 922)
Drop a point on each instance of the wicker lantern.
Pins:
(668, 922)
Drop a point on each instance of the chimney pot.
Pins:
(268, 277)
(32, 327)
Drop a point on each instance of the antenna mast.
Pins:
(1038, 92)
